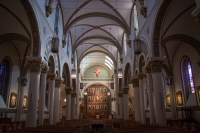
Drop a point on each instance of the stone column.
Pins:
(23, 85)
(51, 78)
(150, 94)
(171, 95)
(113, 104)
(36, 63)
(73, 105)
(68, 103)
(116, 93)
(137, 111)
(141, 90)
(120, 97)
(42, 95)
(56, 111)
(155, 64)
(77, 94)
(126, 108)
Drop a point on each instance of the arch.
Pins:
(66, 75)
(109, 55)
(51, 64)
(34, 27)
(127, 74)
(141, 63)
(185, 38)
(116, 44)
(97, 14)
(5, 76)
(157, 26)
(14, 36)
(102, 83)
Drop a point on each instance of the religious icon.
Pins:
(105, 99)
(89, 107)
(89, 99)
(105, 107)
(101, 107)
(25, 102)
(93, 107)
(89, 90)
(93, 90)
(104, 90)
(179, 98)
(97, 90)
(92, 98)
(101, 99)
(97, 71)
(13, 99)
(97, 107)
(101, 90)
(97, 100)
(168, 100)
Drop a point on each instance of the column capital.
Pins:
(68, 90)
(81, 99)
(155, 64)
(113, 99)
(58, 82)
(52, 76)
(24, 81)
(35, 63)
(141, 76)
(125, 89)
(73, 94)
(120, 94)
(45, 69)
(147, 69)
(135, 81)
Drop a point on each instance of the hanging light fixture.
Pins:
(85, 92)
(108, 93)
(137, 46)
(73, 73)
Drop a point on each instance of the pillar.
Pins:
(150, 94)
(116, 93)
(51, 78)
(155, 64)
(77, 94)
(141, 90)
(68, 103)
(171, 96)
(56, 111)
(137, 112)
(23, 85)
(126, 108)
(113, 104)
(42, 95)
(36, 63)
(73, 98)
(120, 97)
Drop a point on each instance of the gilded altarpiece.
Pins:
(97, 101)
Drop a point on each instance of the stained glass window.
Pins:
(135, 17)
(46, 95)
(187, 77)
(125, 45)
(5, 69)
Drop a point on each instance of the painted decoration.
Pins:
(168, 100)
(13, 100)
(179, 98)
(25, 101)
(97, 72)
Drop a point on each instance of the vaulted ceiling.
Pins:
(97, 26)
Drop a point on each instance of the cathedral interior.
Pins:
(100, 66)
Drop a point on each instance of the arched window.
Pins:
(125, 45)
(5, 74)
(135, 17)
(187, 76)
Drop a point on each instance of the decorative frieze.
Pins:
(73, 94)
(125, 90)
(156, 65)
(23, 81)
(52, 76)
(58, 82)
(120, 94)
(68, 90)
